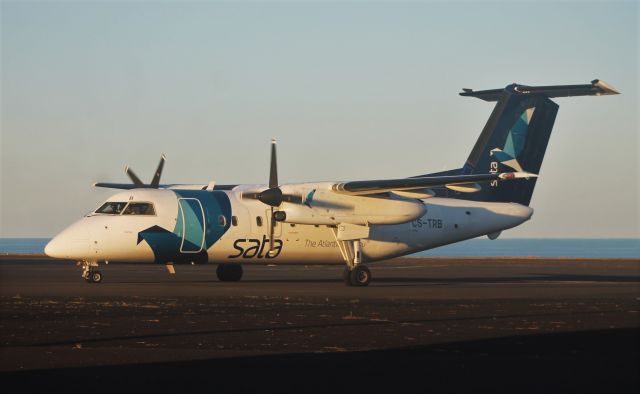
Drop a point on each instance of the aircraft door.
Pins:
(193, 221)
(246, 223)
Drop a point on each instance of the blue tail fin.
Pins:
(515, 137)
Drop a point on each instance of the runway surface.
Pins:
(500, 323)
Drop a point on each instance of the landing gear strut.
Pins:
(356, 273)
(229, 272)
(90, 274)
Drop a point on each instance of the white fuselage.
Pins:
(228, 228)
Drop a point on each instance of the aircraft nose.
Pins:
(71, 243)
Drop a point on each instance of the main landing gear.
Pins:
(229, 272)
(356, 273)
(90, 274)
(358, 276)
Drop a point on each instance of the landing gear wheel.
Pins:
(360, 276)
(95, 277)
(346, 276)
(229, 272)
(89, 274)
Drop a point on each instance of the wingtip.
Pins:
(605, 87)
(517, 175)
(526, 175)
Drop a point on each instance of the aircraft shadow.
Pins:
(414, 280)
(588, 361)
(529, 278)
(283, 328)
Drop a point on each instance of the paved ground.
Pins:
(448, 323)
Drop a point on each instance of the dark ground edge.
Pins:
(583, 361)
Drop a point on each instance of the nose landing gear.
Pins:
(95, 277)
(90, 274)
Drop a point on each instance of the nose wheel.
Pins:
(95, 277)
(89, 274)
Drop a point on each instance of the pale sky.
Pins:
(351, 90)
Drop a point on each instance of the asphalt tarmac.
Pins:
(424, 324)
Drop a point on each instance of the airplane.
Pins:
(350, 222)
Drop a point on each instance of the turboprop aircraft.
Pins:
(355, 222)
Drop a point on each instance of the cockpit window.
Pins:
(111, 208)
(139, 208)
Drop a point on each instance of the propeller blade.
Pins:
(155, 182)
(273, 173)
(134, 177)
(272, 225)
(273, 196)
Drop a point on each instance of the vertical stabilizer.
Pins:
(515, 137)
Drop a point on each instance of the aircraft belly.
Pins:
(449, 223)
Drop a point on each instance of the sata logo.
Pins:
(493, 169)
(250, 248)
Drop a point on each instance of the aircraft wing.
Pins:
(128, 186)
(109, 185)
(454, 182)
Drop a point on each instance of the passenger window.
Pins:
(234, 220)
(259, 221)
(111, 208)
(222, 221)
(139, 208)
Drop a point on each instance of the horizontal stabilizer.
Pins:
(595, 88)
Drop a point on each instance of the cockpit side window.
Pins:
(111, 208)
(139, 208)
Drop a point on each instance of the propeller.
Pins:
(155, 182)
(273, 196)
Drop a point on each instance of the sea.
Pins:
(540, 247)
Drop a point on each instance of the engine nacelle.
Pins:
(328, 208)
